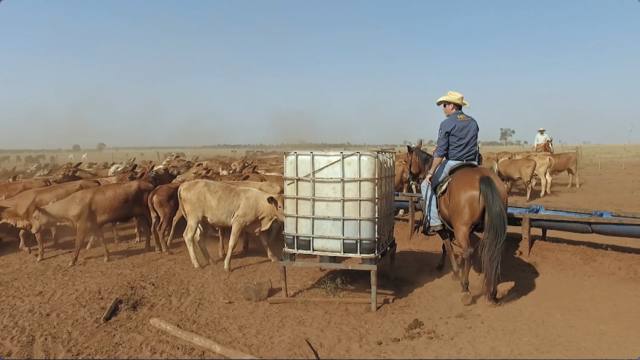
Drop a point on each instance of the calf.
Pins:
(511, 170)
(223, 205)
(177, 216)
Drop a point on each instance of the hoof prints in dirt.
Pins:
(413, 331)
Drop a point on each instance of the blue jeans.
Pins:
(429, 196)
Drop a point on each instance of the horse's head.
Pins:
(418, 162)
(547, 146)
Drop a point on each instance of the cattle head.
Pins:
(272, 211)
(159, 176)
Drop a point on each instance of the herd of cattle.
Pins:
(527, 166)
(232, 196)
(237, 198)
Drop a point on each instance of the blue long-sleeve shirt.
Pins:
(458, 138)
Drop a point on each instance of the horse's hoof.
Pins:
(39, 258)
(71, 264)
(466, 299)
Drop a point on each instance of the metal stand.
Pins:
(369, 264)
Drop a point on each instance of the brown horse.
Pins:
(547, 146)
(475, 200)
(418, 162)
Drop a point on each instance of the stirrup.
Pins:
(430, 230)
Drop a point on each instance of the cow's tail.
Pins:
(495, 233)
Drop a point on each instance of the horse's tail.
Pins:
(495, 232)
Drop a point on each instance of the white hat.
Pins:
(453, 97)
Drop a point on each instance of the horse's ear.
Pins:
(409, 149)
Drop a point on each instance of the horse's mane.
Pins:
(423, 156)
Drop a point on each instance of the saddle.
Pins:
(440, 188)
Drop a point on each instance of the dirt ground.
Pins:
(575, 296)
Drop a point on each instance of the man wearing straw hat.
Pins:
(457, 143)
(541, 140)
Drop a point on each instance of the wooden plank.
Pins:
(374, 290)
(283, 276)
(349, 300)
(108, 314)
(526, 233)
(330, 265)
(198, 340)
(406, 196)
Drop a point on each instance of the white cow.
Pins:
(225, 205)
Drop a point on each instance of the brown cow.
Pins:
(163, 205)
(511, 170)
(20, 208)
(566, 162)
(223, 205)
(88, 210)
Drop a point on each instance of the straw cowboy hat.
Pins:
(542, 129)
(453, 97)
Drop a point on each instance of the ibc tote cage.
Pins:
(368, 249)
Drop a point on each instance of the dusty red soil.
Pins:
(570, 298)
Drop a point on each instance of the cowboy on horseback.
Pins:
(543, 142)
(457, 144)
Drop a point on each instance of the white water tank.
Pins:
(338, 203)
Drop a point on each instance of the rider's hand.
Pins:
(428, 177)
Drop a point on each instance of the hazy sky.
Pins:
(151, 73)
